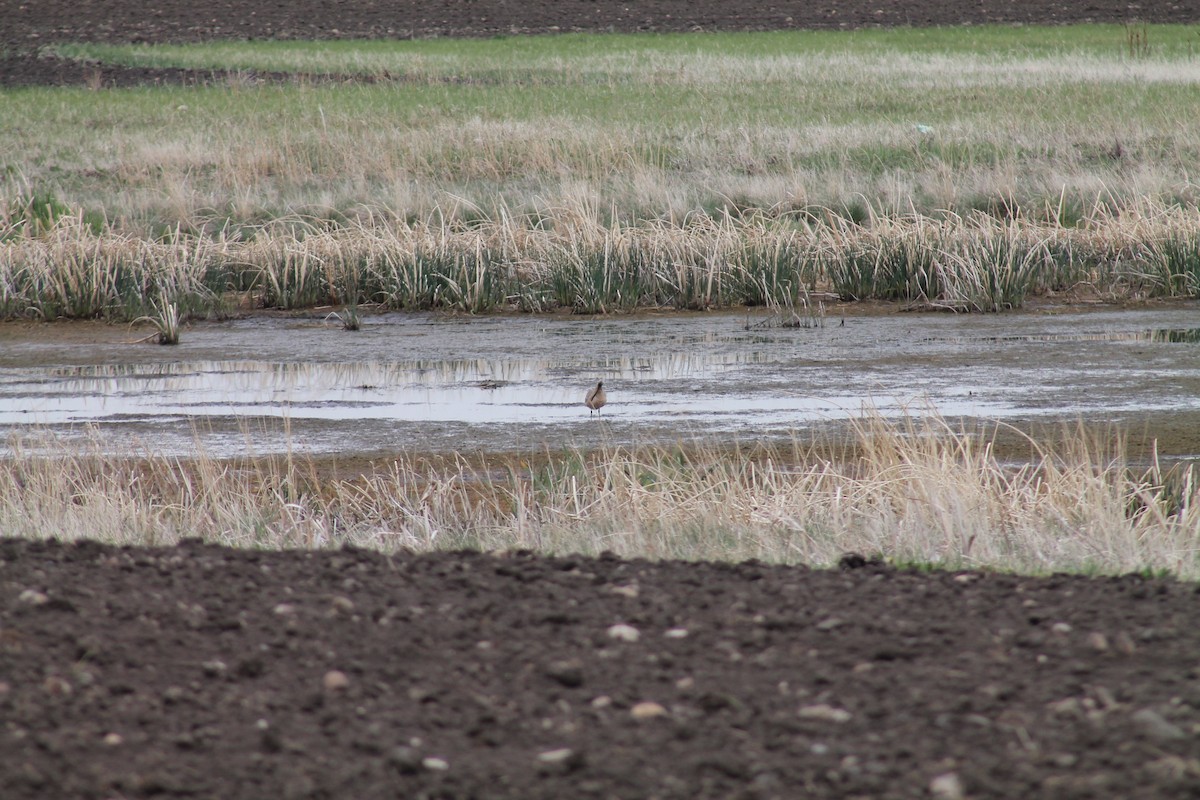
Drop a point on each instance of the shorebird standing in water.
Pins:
(596, 398)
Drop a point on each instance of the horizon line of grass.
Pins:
(66, 268)
(913, 491)
(545, 54)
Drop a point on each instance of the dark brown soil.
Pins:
(205, 672)
(30, 24)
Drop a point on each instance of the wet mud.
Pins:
(439, 384)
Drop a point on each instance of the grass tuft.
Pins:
(973, 263)
(915, 490)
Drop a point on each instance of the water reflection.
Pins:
(1172, 335)
(431, 383)
(1186, 336)
(470, 390)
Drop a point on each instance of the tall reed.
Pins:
(915, 490)
(581, 261)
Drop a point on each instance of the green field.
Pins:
(641, 126)
(591, 171)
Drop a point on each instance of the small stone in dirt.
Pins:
(33, 597)
(335, 680)
(1174, 768)
(829, 624)
(603, 701)
(215, 668)
(568, 672)
(1061, 627)
(625, 633)
(56, 686)
(947, 787)
(284, 610)
(404, 759)
(435, 764)
(343, 604)
(1124, 643)
(1098, 642)
(1154, 725)
(557, 756)
(647, 709)
(825, 713)
(113, 739)
(626, 591)
(1067, 707)
(676, 633)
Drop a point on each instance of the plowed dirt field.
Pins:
(200, 671)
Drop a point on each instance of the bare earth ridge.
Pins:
(204, 672)
(30, 24)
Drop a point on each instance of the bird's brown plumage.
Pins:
(596, 398)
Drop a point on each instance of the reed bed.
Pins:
(914, 490)
(579, 261)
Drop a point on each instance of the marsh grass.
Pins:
(1176, 258)
(349, 317)
(972, 263)
(914, 490)
(73, 271)
(166, 320)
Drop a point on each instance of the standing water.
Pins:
(430, 383)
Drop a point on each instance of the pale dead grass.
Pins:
(575, 256)
(914, 490)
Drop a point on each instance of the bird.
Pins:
(596, 398)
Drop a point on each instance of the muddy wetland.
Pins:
(520, 218)
(440, 383)
(823, 559)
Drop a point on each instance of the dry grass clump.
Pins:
(72, 270)
(576, 258)
(914, 490)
